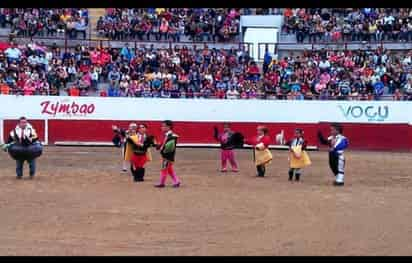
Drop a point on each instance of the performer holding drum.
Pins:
(23, 145)
(229, 140)
(261, 153)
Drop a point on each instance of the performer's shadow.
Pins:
(13, 179)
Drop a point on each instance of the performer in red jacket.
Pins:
(140, 143)
(261, 153)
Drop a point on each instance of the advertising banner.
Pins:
(204, 110)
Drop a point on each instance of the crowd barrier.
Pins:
(376, 125)
(385, 137)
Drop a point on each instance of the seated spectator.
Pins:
(13, 53)
(103, 93)
(4, 88)
(397, 95)
(253, 72)
(112, 91)
(378, 88)
(232, 93)
(74, 91)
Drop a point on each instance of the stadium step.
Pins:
(94, 15)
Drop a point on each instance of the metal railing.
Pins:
(345, 45)
(68, 43)
(265, 96)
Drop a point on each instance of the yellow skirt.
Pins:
(299, 158)
(262, 156)
(128, 152)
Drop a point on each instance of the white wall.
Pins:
(198, 110)
(261, 21)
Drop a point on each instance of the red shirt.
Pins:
(220, 94)
(256, 140)
(84, 68)
(74, 92)
(103, 93)
(253, 70)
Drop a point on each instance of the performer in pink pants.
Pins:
(168, 152)
(227, 145)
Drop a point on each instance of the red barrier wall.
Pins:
(190, 132)
(388, 137)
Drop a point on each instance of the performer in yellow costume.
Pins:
(298, 157)
(261, 153)
(120, 140)
(139, 144)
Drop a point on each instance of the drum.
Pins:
(117, 141)
(22, 152)
(237, 140)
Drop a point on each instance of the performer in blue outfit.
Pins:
(337, 144)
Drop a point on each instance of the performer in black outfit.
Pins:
(24, 145)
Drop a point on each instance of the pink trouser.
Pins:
(228, 155)
(167, 169)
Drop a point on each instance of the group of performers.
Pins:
(135, 144)
(298, 156)
(24, 145)
(136, 150)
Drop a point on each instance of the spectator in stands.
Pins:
(232, 93)
(13, 53)
(184, 72)
(80, 27)
(40, 21)
(366, 24)
(112, 90)
(171, 23)
(407, 89)
(4, 88)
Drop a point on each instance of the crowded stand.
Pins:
(45, 22)
(348, 24)
(181, 72)
(170, 24)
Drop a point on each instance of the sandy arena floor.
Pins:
(81, 204)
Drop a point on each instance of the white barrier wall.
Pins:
(204, 110)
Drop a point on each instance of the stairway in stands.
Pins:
(94, 14)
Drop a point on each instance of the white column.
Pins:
(46, 131)
(1, 131)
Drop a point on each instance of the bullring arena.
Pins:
(82, 204)
(79, 74)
